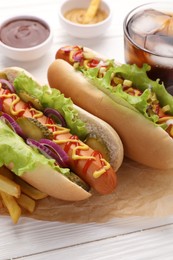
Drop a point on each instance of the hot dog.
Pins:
(139, 109)
(31, 111)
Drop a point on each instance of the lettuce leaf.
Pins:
(140, 80)
(52, 98)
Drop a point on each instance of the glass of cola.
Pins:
(148, 38)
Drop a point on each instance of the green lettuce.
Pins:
(24, 158)
(140, 80)
(52, 98)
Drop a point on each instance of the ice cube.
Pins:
(160, 44)
(149, 22)
(162, 49)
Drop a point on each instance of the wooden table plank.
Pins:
(155, 243)
(31, 238)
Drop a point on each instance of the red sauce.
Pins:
(93, 63)
(5, 92)
(68, 144)
(49, 121)
(89, 161)
(24, 32)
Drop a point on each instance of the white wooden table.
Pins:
(129, 238)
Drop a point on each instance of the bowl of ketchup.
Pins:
(25, 38)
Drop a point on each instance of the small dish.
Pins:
(25, 38)
(80, 30)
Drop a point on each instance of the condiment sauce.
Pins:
(77, 16)
(24, 33)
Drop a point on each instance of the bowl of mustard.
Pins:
(82, 19)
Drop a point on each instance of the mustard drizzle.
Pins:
(106, 167)
(13, 103)
(60, 129)
(82, 146)
(37, 113)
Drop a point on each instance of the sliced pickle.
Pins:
(32, 128)
(28, 98)
(77, 180)
(98, 145)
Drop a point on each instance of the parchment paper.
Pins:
(141, 191)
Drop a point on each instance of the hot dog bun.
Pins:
(55, 184)
(143, 141)
(47, 180)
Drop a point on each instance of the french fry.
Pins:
(91, 11)
(16, 194)
(9, 186)
(26, 202)
(12, 206)
(29, 190)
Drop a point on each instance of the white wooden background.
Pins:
(122, 239)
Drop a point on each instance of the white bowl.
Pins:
(83, 30)
(29, 53)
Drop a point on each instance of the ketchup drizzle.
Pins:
(49, 121)
(89, 161)
(69, 144)
(93, 63)
(4, 92)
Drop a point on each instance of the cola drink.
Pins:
(148, 38)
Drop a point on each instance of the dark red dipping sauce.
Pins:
(24, 32)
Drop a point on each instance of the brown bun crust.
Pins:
(143, 141)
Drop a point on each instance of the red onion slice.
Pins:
(50, 112)
(78, 56)
(7, 85)
(63, 157)
(13, 124)
(50, 150)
